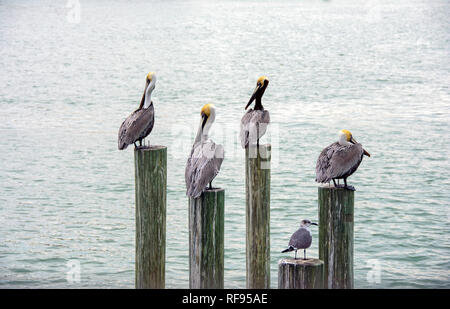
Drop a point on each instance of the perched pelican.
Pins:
(254, 122)
(206, 157)
(340, 159)
(301, 239)
(140, 123)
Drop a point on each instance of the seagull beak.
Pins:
(313, 223)
(252, 98)
(366, 153)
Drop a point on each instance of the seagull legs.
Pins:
(295, 254)
(210, 185)
(304, 254)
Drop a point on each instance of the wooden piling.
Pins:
(300, 274)
(336, 207)
(150, 189)
(206, 240)
(257, 192)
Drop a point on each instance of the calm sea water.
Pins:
(378, 68)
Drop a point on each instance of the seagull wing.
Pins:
(301, 239)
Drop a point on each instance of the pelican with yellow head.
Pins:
(340, 160)
(255, 121)
(140, 123)
(206, 157)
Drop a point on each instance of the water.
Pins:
(379, 69)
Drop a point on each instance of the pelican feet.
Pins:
(341, 186)
(141, 147)
(210, 187)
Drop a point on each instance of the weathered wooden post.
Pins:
(257, 192)
(150, 188)
(206, 240)
(300, 274)
(336, 236)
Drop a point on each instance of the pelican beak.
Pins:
(145, 90)
(353, 141)
(255, 92)
(204, 119)
(313, 223)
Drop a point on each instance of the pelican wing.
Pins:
(301, 239)
(137, 126)
(202, 167)
(253, 126)
(336, 161)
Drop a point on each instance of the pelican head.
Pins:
(307, 223)
(346, 138)
(150, 82)
(261, 86)
(208, 114)
(151, 79)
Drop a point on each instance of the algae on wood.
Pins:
(336, 206)
(257, 191)
(206, 240)
(150, 192)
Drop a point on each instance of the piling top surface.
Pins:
(151, 148)
(302, 262)
(330, 186)
(213, 190)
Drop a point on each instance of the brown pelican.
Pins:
(340, 160)
(140, 123)
(206, 157)
(254, 122)
(301, 239)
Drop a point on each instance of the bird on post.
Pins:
(301, 239)
(206, 157)
(255, 121)
(340, 160)
(140, 123)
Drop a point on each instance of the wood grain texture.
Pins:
(206, 240)
(300, 274)
(150, 193)
(336, 207)
(257, 191)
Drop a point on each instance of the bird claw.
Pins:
(341, 186)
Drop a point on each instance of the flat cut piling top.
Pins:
(301, 262)
(330, 186)
(150, 148)
(213, 190)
